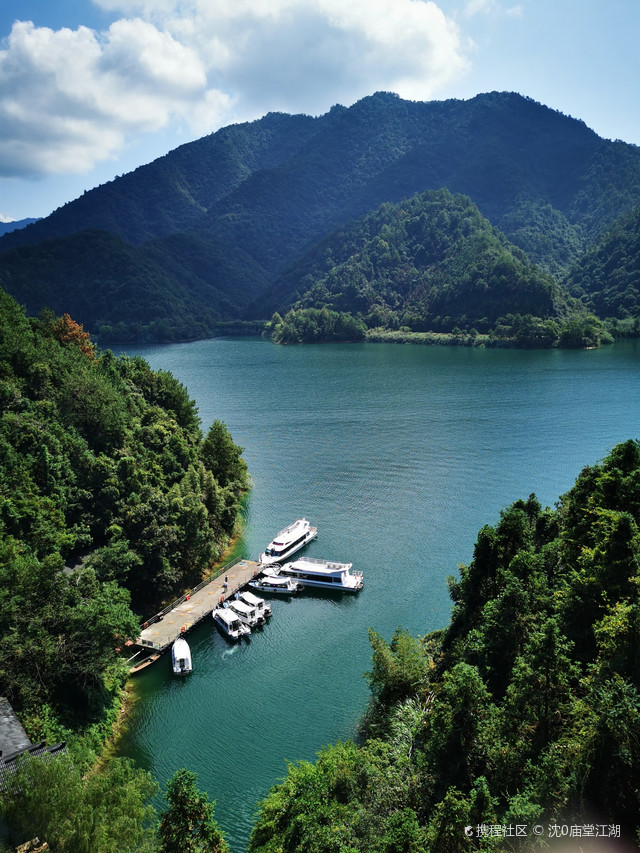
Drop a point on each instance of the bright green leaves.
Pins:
(107, 812)
(399, 668)
(224, 458)
(188, 824)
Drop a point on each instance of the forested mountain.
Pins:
(607, 278)
(104, 469)
(524, 711)
(431, 262)
(218, 220)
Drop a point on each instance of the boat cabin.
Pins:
(247, 614)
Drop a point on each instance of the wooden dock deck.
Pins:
(159, 633)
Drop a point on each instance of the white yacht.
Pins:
(273, 582)
(247, 613)
(230, 623)
(181, 657)
(263, 607)
(323, 573)
(288, 541)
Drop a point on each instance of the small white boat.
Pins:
(230, 623)
(181, 657)
(247, 613)
(324, 573)
(288, 541)
(260, 604)
(273, 582)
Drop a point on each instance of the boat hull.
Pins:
(181, 657)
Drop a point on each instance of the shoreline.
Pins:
(128, 695)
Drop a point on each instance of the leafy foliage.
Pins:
(429, 263)
(525, 710)
(312, 325)
(188, 825)
(107, 812)
(607, 278)
(103, 469)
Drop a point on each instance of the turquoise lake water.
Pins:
(399, 455)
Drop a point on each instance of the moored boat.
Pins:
(275, 583)
(260, 604)
(181, 657)
(288, 541)
(230, 623)
(328, 574)
(247, 613)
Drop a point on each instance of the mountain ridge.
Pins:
(219, 220)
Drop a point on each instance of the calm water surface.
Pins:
(398, 454)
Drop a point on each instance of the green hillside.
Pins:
(218, 221)
(524, 711)
(607, 278)
(104, 470)
(429, 263)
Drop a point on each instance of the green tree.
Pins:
(224, 458)
(107, 812)
(399, 667)
(188, 825)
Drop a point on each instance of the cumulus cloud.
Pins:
(71, 98)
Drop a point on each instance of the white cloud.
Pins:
(492, 7)
(71, 98)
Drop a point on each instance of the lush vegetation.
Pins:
(607, 278)
(429, 264)
(524, 711)
(202, 235)
(110, 499)
(107, 811)
(314, 325)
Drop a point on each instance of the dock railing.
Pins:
(162, 613)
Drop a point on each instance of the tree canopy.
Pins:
(110, 498)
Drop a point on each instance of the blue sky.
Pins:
(90, 89)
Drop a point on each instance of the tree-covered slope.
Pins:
(525, 711)
(104, 468)
(172, 193)
(226, 215)
(607, 278)
(431, 262)
(159, 291)
(7, 227)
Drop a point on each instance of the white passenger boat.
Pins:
(181, 657)
(247, 613)
(263, 607)
(230, 623)
(288, 541)
(323, 573)
(273, 582)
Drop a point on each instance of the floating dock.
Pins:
(161, 630)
